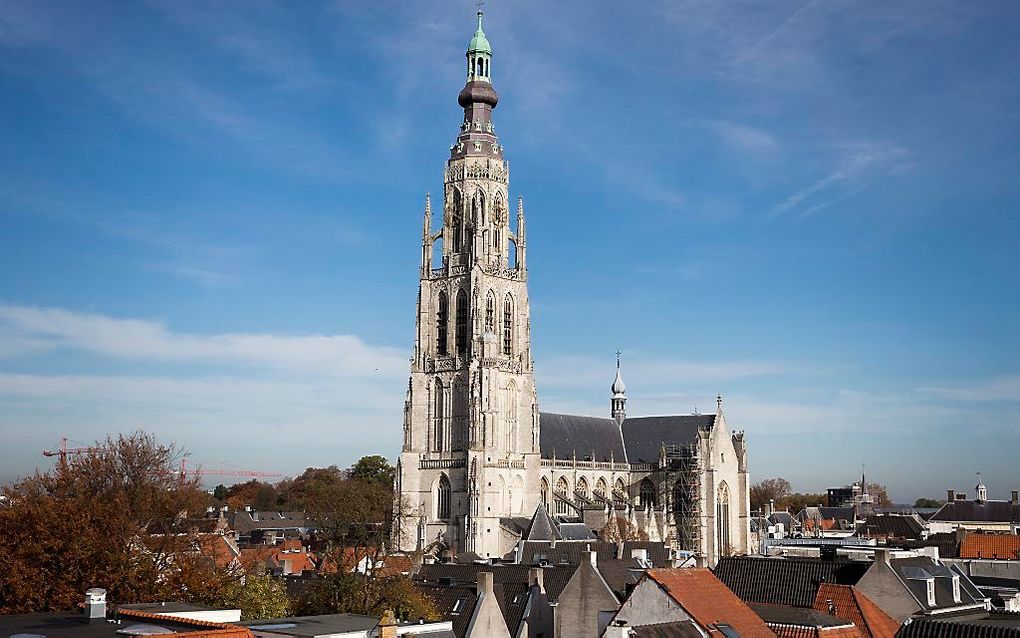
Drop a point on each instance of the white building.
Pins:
(478, 457)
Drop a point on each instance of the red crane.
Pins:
(201, 471)
(64, 451)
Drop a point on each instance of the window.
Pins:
(458, 606)
(442, 316)
(490, 313)
(457, 222)
(956, 588)
(545, 493)
(931, 592)
(439, 423)
(462, 323)
(600, 487)
(443, 498)
(582, 487)
(722, 519)
(508, 325)
(561, 489)
(647, 493)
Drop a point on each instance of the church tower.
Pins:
(471, 429)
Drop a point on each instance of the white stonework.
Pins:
(474, 461)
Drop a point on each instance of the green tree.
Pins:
(797, 501)
(373, 469)
(259, 595)
(220, 492)
(927, 503)
(355, 593)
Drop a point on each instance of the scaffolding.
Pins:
(681, 468)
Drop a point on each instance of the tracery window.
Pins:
(442, 319)
(443, 498)
(647, 493)
(582, 487)
(462, 323)
(722, 519)
(457, 222)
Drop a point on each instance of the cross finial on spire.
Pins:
(618, 353)
(480, 4)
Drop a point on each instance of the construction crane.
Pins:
(63, 451)
(201, 471)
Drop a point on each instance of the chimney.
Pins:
(882, 555)
(536, 578)
(960, 496)
(950, 496)
(95, 604)
(832, 606)
(593, 558)
(388, 625)
(1014, 497)
(485, 583)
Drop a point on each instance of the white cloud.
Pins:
(745, 138)
(142, 340)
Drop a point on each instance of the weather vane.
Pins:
(480, 4)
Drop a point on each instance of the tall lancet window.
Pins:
(442, 321)
(510, 405)
(462, 323)
(438, 420)
(508, 326)
(490, 313)
(443, 498)
(722, 519)
(457, 222)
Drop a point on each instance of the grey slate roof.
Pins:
(446, 600)
(915, 572)
(801, 616)
(890, 526)
(566, 435)
(995, 624)
(679, 629)
(541, 527)
(985, 512)
(644, 436)
(452, 574)
(785, 581)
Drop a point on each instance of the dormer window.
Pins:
(931, 592)
(956, 589)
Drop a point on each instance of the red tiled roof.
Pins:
(851, 604)
(795, 631)
(997, 546)
(217, 547)
(709, 601)
(203, 628)
(273, 556)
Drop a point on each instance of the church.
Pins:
(478, 455)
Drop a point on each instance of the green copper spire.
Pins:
(479, 43)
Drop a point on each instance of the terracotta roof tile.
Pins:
(852, 604)
(996, 546)
(709, 601)
(203, 628)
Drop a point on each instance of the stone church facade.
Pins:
(478, 457)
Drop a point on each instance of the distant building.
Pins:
(982, 514)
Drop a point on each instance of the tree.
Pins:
(110, 518)
(927, 503)
(620, 529)
(373, 469)
(220, 492)
(259, 595)
(879, 494)
(355, 593)
(771, 489)
(258, 494)
(797, 501)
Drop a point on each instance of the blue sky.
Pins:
(210, 217)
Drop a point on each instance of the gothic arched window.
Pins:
(647, 493)
(508, 326)
(600, 487)
(462, 323)
(545, 492)
(561, 489)
(442, 319)
(620, 487)
(582, 487)
(438, 422)
(510, 407)
(443, 498)
(722, 519)
(490, 313)
(459, 433)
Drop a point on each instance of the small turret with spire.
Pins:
(618, 403)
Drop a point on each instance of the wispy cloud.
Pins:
(862, 163)
(748, 139)
(1002, 388)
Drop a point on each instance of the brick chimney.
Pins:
(485, 582)
(950, 496)
(388, 625)
(1014, 497)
